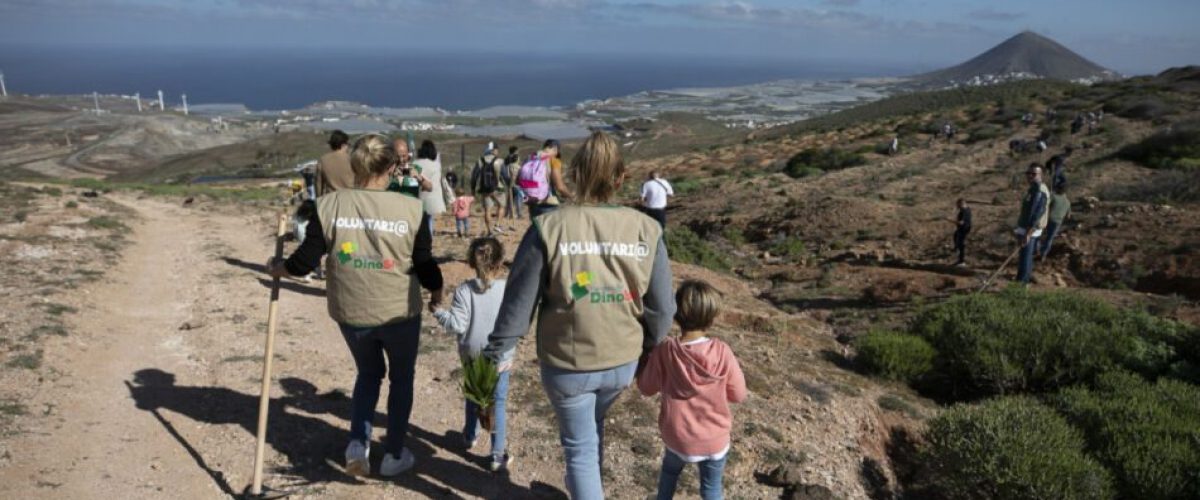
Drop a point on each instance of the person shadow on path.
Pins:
(313, 447)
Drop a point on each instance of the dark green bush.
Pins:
(685, 246)
(1008, 448)
(984, 133)
(827, 159)
(1178, 149)
(791, 247)
(1017, 341)
(1141, 107)
(1164, 186)
(1147, 434)
(895, 356)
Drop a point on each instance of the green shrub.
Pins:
(1164, 186)
(1141, 107)
(895, 356)
(734, 235)
(687, 185)
(791, 247)
(105, 222)
(825, 160)
(685, 246)
(1147, 434)
(984, 133)
(1018, 341)
(1177, 149)
(1009, 448)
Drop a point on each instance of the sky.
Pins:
(1132, 37)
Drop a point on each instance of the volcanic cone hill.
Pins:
(1024, 56)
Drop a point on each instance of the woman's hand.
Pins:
(275, 268)
(435, 300)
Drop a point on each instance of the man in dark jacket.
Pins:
(963, 228)
(1033, 219)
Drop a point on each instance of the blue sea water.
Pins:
(294, 78)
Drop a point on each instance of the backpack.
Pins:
(506, 171)
(487, 175)
(532, 179)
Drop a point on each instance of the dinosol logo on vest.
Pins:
(637, 251)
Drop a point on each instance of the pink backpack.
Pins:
(533, 179)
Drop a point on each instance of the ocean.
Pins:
(272, 79)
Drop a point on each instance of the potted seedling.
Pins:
(479, 386)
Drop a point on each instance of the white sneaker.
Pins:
(503, 464)
(392, 466)
(358, 462)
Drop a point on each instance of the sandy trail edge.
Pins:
(146, 407)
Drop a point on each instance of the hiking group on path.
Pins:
(595, 275)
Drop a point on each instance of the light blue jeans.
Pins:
(580, 400)
(710, 476)
(471, 427)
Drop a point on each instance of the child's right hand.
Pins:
(504, 366)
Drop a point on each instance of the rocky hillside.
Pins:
(877, 233)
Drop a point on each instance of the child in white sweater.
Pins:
(472, 317)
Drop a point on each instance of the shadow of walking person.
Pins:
(454, 478)
(312, 447)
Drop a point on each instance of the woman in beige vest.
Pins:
(379, 257)
(599, 278)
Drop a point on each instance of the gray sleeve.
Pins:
(521, 296)
(658, 303)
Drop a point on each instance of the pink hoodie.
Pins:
(697, 382)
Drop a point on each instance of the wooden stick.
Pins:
(264, 399)
(997, 273)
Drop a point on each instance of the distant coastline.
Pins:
(273, 80)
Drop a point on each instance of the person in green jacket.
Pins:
(1060, 209)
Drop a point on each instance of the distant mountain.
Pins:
(1024, 56)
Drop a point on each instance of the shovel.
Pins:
(256, 487)
(997, 273)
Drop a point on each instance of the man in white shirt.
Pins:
(654, 198)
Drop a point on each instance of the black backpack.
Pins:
(487, 175)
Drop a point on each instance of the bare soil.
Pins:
(154, 391)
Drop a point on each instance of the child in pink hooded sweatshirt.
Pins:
(698, 377)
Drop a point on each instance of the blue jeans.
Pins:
(710, 476)
(512, 206)
(471, 427)
(1025, 265)
(1048, 238)
(368, 345)
(580, 400)
(463, 226)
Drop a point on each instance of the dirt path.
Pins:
(157, 394)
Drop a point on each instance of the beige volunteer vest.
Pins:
(598, 261)
(371, 235)
(1045, 218)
